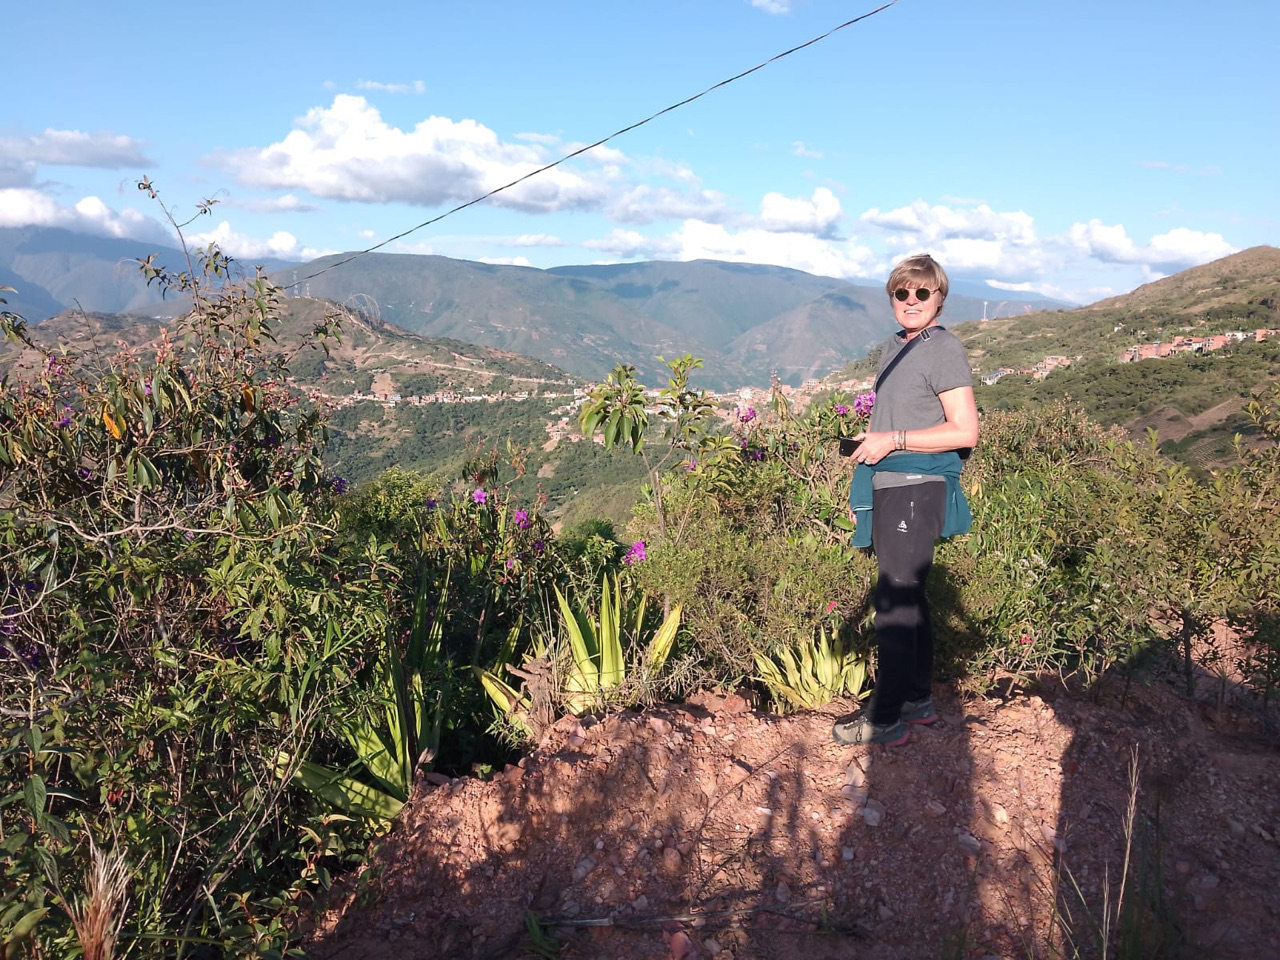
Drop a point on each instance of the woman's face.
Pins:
(914, 314)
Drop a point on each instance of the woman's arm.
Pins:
(959, 430)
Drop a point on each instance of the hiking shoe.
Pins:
(858, 728)
(919, 711)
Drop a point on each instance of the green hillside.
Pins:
(1239, 292)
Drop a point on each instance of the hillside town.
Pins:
(732, 404)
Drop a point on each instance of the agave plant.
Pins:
(599, 662)
(813, 673)
(401, 729)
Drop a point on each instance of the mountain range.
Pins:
(748, 321)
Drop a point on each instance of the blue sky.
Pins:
(1075, 150)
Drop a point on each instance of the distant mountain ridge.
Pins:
(747, 321)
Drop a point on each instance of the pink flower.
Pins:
(478, 495)
(522, 520)
(636, 554)
(863, 403)
(1026, 636)
(831, 606)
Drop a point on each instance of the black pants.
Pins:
(905, 524)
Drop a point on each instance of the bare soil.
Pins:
(712, 830)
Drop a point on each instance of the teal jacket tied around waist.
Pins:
(958, 518)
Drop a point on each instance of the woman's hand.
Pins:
(875, 446)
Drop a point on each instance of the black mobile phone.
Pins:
(849, 446)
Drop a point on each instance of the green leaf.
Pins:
(34, 794)
(27, 924)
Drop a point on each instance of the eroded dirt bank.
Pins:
(710, 830)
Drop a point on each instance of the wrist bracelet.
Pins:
(900, 441)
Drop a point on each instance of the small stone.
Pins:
(846, 853)
(1183, 867)
(582, 868)
(970, 843)
(855, 793)
(659, 726)
(712, 946)
(783, 893)
(640, 902)
(1000, 814)
(873, 813)
(855, 776)
(671, 861)
(935, 808)
(1236, 828)
(885, 912)
(682, 946)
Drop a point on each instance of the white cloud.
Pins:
(800, 150)
(507, 261)
(629, 245)
(347, 152)
(287, 203)
(935, 223)
(772, 6)
(367, 235)
(1178, 248)
(799, 251)
(818, 216)
(416, 87)
(534, 240)
(31, 208)
(74, 148)
(282, 244)
(643, 204)
(1050, 290)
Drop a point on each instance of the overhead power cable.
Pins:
(600, 142)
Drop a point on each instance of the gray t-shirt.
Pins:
(908, 397)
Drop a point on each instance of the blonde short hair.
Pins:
(918, 270)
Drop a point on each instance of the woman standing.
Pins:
(906, 494)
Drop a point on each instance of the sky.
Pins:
(1073, 150)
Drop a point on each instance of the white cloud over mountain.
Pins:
(1177, 248)
(698, 240)
(282, 244)
(27, 208)
(346, 151)
(818, 215)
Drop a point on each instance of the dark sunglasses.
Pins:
(922, 294)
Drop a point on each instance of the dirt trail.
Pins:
(710, 830)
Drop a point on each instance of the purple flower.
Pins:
(863, 403)
(636, 554)
(522, 519)
(538, 546)
(841, 410)
(146, 387)
(66, 420)
(339, 485)
(430, 503)
(746, 415)
(691, 465)
(478, 495)
(511, 564)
